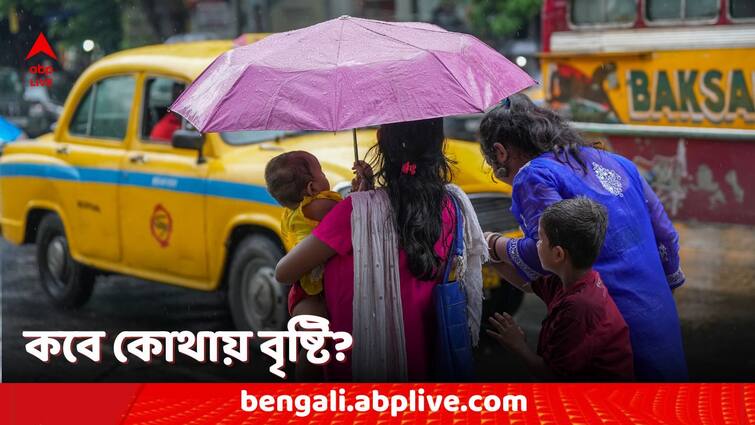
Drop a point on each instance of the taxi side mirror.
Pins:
(189, 139)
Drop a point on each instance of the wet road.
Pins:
(117, 304)
(716, 306)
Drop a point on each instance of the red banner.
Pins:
(387, 403)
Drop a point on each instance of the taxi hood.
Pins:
(335, 152)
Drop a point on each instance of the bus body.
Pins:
(669, 84)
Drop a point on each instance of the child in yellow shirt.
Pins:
(296, 180)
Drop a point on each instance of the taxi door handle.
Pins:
(137, 159)
(62, 150)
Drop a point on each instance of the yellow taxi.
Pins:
(123, 186)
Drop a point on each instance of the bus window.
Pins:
(742, 9)
(676, 10)
(603, 12)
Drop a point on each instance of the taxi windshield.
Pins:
(249, 137)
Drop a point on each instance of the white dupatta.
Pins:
(379, 352)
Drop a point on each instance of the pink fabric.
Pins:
(416, 295)
(295, 295)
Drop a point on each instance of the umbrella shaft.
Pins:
(356, 149)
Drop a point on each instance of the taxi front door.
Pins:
(93, 143)
(163, 194)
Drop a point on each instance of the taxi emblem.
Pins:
(161, 225)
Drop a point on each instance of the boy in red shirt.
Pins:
(583, 337)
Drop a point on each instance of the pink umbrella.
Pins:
(348, 73)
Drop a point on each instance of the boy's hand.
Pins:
(364, 179)
(507, 332)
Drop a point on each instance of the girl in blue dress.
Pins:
(545, 160)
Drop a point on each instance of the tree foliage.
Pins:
(495, 19)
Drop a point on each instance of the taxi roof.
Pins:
(185, 60)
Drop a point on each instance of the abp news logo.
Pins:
(41, 74)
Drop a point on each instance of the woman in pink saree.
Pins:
(413, 203)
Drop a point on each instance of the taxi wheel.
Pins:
(68, 283)
(257, 301)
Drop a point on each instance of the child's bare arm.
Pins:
(318, 209)
(302, 259)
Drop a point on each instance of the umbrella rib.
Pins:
(394, 24)
(222, 99)
(185, 93)
(274, 98)
(394, 92)
(469, 96)
(336, 83)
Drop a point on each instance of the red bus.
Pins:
(667, 83)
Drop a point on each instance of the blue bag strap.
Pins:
(459, 239)
(457, 246)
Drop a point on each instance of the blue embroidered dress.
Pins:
(639, 262)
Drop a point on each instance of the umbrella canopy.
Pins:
(348, 73)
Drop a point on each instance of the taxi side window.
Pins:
(83, 115)
(104, 110)
(158, 124)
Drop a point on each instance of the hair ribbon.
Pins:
(408, 168)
